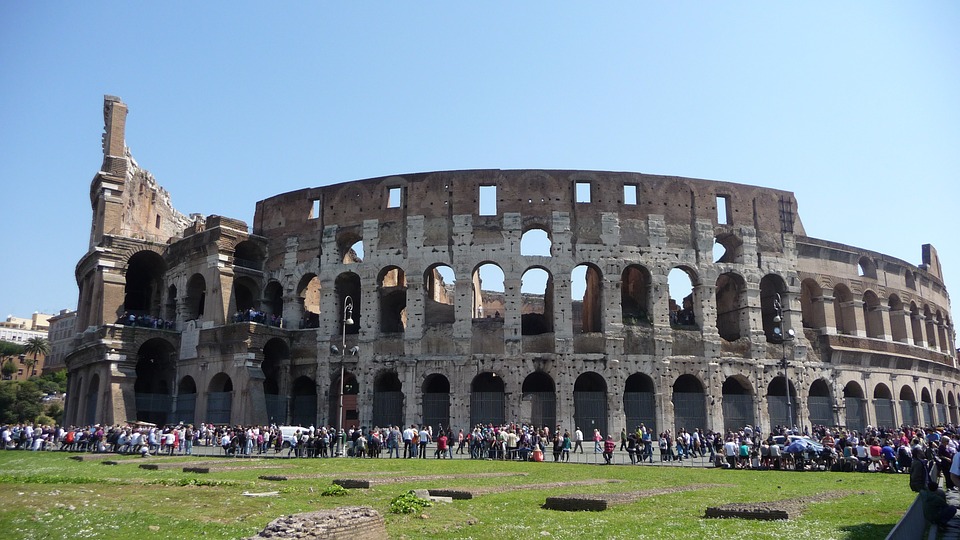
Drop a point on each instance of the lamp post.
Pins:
(783, 338)
(347, 319)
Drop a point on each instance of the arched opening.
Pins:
(586, 288)
(536, 312)
(811, 305)
(590, 403)
(308, 291)
(388, 400)
(219, 399)
(93, 391)
(898, 319)
(942, 333)
(187, 400)
(156, 373)
(436, 400)
(640, 402)
(773, 287)
(727, 249)
(782, 408)
(144, 284)
(941, 408)
(872, 316)
(732, 313)
(170, 311)
(303, 401)
(856, 406)
(488, 292)
(908, 406)
(535, 243)
(350, 388)
(689, 404)
(682, 313)
(392, 290)
(248, 254)
(635, 296)
(930, 327)
(351, 248)
(820, 404)
(844, 310)
(916, 325)
(273, 302)
(439, 294)
(245, 298)
(926, 408)
(348, 284)
(539, 400)
(487, 399)
(867, 268)
(196, 297)
(738, 404)
(276, 360)
(952, 405)
(883, 406)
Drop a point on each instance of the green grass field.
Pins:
(47, 495)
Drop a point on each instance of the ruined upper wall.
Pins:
(536, 195)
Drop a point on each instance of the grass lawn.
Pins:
(47, 495)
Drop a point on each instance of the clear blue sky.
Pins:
(853, 106)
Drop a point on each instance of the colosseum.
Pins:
(458, 297)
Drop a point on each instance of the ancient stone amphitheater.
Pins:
(457, 297)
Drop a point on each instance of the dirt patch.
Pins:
(602, 501)
(769, 510)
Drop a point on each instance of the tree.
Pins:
(36, 346)
(8, 369)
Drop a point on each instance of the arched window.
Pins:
(682, 311)
(488, 291)
(586, 286)
(536, 313)
(535, 243)
(440, 294)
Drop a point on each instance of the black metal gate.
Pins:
(856, 413)
(152, 407)
(543, 408)
(590, 411)
(640, 408)
(436, 409)
(689, 411)
(821, 410)
(387, 409)
(884, 411)
(303, 410)
(486, 408)
(276, 409)
(218, 407)
(186, 405)
(777, 406)
(737, 412)
(908, 413)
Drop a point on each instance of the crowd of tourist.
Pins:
(257, 316)
(146, 321)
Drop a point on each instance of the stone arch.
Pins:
(898, 321)
(689, 403)
(772, 288)
(156, 372)
(350, 245)
(590, 402)
(855, 403)
(487, 399)
(308, 293)
(942, 333)
(811, 304)
(640, 402)
(843, 308)
(248, 254)
(536, 291)
(170, 311)
(488, 291)
(820, 403)
(586, 285)
(908, 406)
(273, 300)
(930, 327)
(733, 317)
(941, 407)
(143, 285)
(872, 315)
(219, 399)
(738, 403)
(867, 268)
(276, 363)
(186, 400)
(439, 295)
(392, 291)
(388, 400)
(349, 388)
(635, 285)
(436, 400)
(782, 407)
(246, 295)
(196, 297)
(926, 407)
(728, 249)
(539, 400)
(916, 325)
(535, 242)
(303, 401)
(683, 311)
(346, 285)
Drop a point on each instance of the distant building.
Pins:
(19, 330)
(60, 336)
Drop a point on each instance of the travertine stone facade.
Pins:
(460, 297)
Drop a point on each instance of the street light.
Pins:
(347, 319)
(779, 335)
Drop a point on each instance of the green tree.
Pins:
(10, 349)
(36, 346)
(8, 369)
(52, 382)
